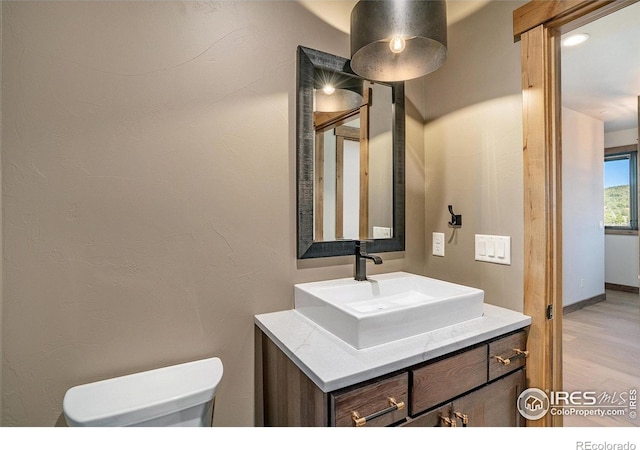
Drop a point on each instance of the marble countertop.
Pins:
(333, 364)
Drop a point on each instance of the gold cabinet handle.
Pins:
(463, 417)
(359, 421)
(447, 421)
(518, 354)
(453, 420)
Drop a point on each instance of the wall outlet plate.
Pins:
(382, 233)
(438, 244)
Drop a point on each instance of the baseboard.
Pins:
(622, 288)
(583, 303)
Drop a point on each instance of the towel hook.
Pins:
(456, 219)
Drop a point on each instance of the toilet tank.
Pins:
(179, 395)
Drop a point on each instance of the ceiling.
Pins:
(601, 77)
(338, 12)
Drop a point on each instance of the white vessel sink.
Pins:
(386, 307)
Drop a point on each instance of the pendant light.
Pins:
(397, 40)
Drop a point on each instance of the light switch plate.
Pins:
(438, 244)
(493, 249)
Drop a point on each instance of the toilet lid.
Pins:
(143, 396)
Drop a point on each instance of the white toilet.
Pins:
(176, 396)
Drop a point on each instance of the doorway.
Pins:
(600, 212)
(539, 25)
(599, 108)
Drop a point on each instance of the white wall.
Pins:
(621, 260)
(620, 138)
(582, 206)
(473, 152)
(621, 252)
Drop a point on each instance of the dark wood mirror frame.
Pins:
(308, 60)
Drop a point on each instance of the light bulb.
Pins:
(328, 89)
(397, 44)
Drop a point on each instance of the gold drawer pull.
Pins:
(519, 354)
(448, 421)
(359, 421)
(463, 417)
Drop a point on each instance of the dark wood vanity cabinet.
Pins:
(477, 386)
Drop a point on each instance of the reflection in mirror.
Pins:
(353, 156)
(350, 148)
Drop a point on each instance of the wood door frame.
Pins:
(539, 25)
(318, 174)
(344, 133)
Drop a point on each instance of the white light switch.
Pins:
(482, 248)
(438, 244)
(494, 249)
(491, 248)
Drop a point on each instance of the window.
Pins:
(621, 188)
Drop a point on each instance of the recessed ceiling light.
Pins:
(574, 39)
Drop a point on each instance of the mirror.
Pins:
(350, 136)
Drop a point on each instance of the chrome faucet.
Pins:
(361, 260)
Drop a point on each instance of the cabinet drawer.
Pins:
(373, 401)
(505, 356)
(445, 379)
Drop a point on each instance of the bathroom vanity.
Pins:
(466, 374)
(391, 349)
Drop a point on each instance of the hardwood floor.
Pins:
(601, 353)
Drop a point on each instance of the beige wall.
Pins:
(149, 184)
(473, 145)
(1, 222)
(149, 191)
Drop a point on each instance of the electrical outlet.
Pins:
(438, 244)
